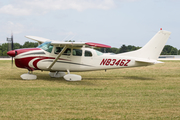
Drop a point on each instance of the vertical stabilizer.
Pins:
(153, 48)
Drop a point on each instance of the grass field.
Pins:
(151, 92)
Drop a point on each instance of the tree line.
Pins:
(5, 47)
(168, 49)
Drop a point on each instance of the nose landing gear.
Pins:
(28, 76)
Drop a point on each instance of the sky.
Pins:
(111, 22)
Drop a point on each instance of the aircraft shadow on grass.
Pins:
(137, 78)
(119, 78)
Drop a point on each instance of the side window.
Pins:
(67, 52)
(87, 53)
(58, 50)
(77, 52)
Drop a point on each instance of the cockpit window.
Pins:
(46, 46)
(99, 53)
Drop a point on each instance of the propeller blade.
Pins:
(12, 62)
(12, 43)
(12, 46)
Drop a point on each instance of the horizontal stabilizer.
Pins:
(148, 61)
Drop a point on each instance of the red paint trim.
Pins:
(24, 62)
(35, 63)
(97, 45)
(13, 53)
(19, 51)
(43, 58)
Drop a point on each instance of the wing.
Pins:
(81, 44)
(78, 44)
(97, 45)
(40, 40)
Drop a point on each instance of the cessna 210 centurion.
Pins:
(60, 57)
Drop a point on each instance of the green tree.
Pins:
(5, 53)
(123, 49)
(169, 50)
(173, 51)
(69, 40)
(5, 47)
(17, 46)
(28, 44)
(1, 53)
(179, 52)
(132, 48)
(114, 50)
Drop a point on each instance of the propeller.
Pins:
(12, 46)
(12, 52)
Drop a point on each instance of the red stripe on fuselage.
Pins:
(43, 58)
(24, 62)
(19, 51)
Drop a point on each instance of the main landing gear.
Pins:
(57, 74)
(72, 77)
(67, 77)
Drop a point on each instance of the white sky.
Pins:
(111, 22)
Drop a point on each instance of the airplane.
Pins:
(61, 57)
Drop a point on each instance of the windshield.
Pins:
(46, 46)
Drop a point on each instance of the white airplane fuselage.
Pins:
(38, 59)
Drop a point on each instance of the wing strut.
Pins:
(62, 51)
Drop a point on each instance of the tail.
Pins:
(152, 49)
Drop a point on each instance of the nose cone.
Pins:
(12, 53)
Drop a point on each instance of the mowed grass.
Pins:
(151, 92)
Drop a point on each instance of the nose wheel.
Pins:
(28, 76)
